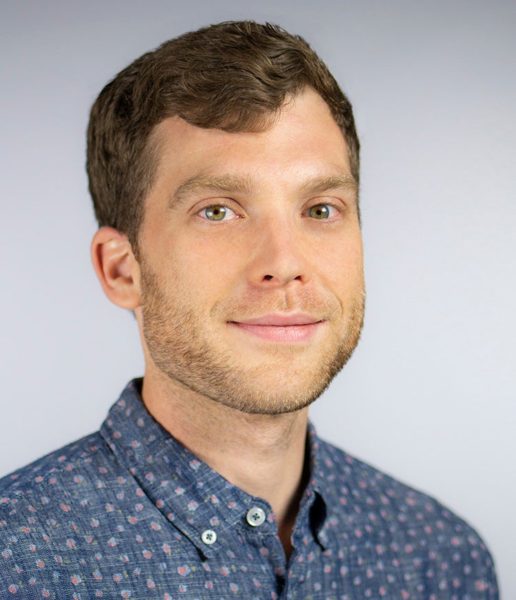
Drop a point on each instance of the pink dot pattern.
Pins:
(121, 513)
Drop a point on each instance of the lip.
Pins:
(281, 319)
(298, 327)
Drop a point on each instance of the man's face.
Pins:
(242, 225)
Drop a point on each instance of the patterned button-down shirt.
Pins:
(128, 512)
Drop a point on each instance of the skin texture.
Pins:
(267, 236)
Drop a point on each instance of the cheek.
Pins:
(342, 265)
(203, 266)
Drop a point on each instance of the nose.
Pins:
(278, 255)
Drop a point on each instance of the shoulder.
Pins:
(394, 519)
(48, 508)
(372, 493)
(80, 457)
(48, 487)
(370, 486)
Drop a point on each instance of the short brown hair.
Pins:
(232, 76)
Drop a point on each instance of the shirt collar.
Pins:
(189, 493)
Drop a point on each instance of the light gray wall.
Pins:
(430, 395)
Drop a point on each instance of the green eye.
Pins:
(319, 211)
(217, 212)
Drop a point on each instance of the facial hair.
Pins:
(181, 347)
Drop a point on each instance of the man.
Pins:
(224, 170)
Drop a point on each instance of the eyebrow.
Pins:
(318, 185)
(236, 184)
(221, 183)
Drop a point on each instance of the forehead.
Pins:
(303, 135)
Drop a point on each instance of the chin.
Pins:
(281, 402)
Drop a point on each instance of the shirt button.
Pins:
(255, 516)
(209, 537)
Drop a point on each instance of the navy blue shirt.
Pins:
(129, 512)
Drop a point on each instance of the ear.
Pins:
(116, 267)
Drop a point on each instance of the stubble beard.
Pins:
(176, 340)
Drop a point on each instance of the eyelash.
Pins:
(228, 207)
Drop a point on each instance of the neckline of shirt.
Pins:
(192, 496)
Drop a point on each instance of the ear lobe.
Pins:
(116, 267)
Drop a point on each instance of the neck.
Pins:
(261, 454)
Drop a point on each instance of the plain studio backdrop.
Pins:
(429, 395)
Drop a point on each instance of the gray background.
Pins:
(430, 394)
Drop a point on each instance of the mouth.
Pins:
(301, 332)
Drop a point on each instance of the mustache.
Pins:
(322, 306)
